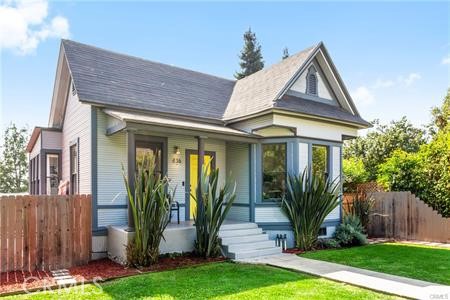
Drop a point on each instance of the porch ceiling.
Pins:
(136, 121)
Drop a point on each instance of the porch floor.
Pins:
(189, 224)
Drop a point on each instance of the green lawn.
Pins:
(414, 261)
(216, 281)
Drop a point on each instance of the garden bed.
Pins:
(98, 270)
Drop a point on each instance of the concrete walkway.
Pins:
(396, 285)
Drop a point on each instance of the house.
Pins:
(108, 109)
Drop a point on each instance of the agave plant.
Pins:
(212, 209)
(362, 208)
(150, 204)
(310, 198)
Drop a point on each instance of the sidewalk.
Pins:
(391, 284)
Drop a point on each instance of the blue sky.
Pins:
(393, 56)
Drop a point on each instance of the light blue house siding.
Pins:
(268, 215)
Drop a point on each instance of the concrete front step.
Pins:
(255, 253)
(244, 239)
(239, 232)
(249, 246)
(234, 226)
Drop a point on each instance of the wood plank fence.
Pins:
(44, 232)
(401, 215)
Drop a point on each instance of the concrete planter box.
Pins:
(178, 238)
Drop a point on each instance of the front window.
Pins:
(52, 174)
(150, 151)
(274, 171)
(320, 160)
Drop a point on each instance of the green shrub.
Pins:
(402, 171)
(150, 204)
(436, 161)
(327, 244)
(212, 209)
(350, 232)
(309, 199)
(354, 173)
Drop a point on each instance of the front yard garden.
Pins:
(215, 281)
(408, 260)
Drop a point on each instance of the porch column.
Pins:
(201, 159)
(131, 142)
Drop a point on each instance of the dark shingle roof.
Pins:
(106, 78)
(110, 79)
(318, 109)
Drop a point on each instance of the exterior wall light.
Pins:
(176, 155)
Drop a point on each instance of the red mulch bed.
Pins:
(99, 270)
(17, 280)
(293, 251)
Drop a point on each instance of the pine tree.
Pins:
(251, 57)
(285, 53)
(13, 161)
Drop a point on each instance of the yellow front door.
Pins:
(193, 180)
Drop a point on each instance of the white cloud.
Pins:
(407, 80)
(446, 60)
(25, 23)
(410, 79)
(380, 83)
(363, 96)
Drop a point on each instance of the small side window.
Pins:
(74, 169)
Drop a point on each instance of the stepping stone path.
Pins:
(63, 277)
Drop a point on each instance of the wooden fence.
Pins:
(400, 215)
(44, 232)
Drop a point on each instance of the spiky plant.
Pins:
(310, 198)
(212, 209)
(362, 208)
(150, 204)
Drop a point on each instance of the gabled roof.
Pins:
(259, 91)
(107, 78)
(113, 80)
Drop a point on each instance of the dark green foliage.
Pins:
(150, 203)
(13, 161)
(361, 208)
(328, 244)
(309, 200)
(285, 53)
(440, 116)
(380, 143)
(403, 171)
(350, 232)
(212, 209)
(251, 57)
(436, 168)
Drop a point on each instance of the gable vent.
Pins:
(312, 84)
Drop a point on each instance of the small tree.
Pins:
(251, 57)
(13, 161)
(285, 53)
(310, 198)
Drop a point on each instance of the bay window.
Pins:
(274, 171)
(320, 162)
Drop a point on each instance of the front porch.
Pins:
(181, 148)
